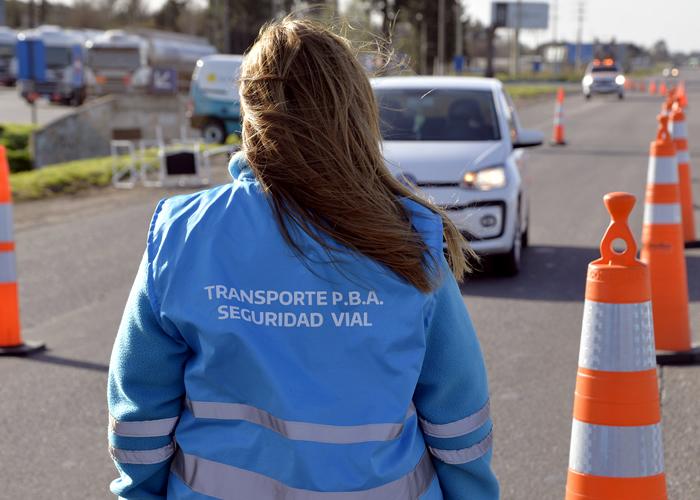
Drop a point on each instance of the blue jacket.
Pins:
(240, 372)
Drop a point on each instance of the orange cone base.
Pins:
(585, 487)
(679, 358)
(24, 349)
(557, 143)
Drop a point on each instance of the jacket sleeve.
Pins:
(145, 395)
(452, 399)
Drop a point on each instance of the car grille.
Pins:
(437, 184)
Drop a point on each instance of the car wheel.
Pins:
(508, 264)
(620, 96)
(588, 97)
(213, 132)
(525, 238)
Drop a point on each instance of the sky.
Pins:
(638, 21)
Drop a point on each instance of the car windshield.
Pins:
(604, 69)
(437, 115)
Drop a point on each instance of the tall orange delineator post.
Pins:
(679, 133)
(558, 129)
(652, 87)
(11, 343)
(616, 443)
(662, 251)
(682, 95)
(663, 90)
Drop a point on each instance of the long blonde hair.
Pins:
(311, 136)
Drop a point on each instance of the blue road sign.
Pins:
(164, 81)
(31, 60)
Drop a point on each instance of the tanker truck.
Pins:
(140, 60)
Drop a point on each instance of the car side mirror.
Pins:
(528, 138)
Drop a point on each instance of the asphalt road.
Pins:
(77, 258)
(14, 109)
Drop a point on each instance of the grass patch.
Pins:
(74, 176)
(65, 178)
(521, 91)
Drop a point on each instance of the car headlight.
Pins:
(620, 80)
(587, 80)
(485, 179)
(674, 72)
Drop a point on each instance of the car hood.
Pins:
(441, 161)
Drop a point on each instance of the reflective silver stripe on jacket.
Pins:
(458, 427)
(464, 455)
(143, 428)
(142, 457)
(300, 431)
(226, 481)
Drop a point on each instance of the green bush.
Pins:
(19, 160)
(15, 138)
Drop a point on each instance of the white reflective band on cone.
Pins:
(143, 428)
(611, 451)
(678, 130)
(683, 156)
(8, 270)
(458, 427)
(142, 457)
(300, 431)
(617, 337)
(464, 455)
(662, 213)
(662, 170)
(226, 481)
(6, 223)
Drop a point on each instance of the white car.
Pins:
(603, 77)
(458, 140)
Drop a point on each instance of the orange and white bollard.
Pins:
(679, 133)
(682, 95)
(652, 87)
(558, 129)
(662, 251)
(616, 439)
(663, 90)
(11, 343)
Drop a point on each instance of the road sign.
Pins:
(523, 15)
(31, 59)
(164, 81)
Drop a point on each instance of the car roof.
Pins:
(439, 82)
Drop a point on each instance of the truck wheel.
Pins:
(213, 132)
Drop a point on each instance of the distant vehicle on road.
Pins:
(458, 141)
(122, 62)
(603, 76)
(214, 106)
(671, 72)
(64, 81)
(8, 62)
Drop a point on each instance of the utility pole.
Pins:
(515, 45)
(441, 38)
(580, 14)
(226, 25)
(555, 20)
(459, 34)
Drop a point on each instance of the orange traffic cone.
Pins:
(682, 95)
(558, 131)
(652, 87)
(10, 338)
(662, 89)
(679, 132)
(662, 251)
(616, 445)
